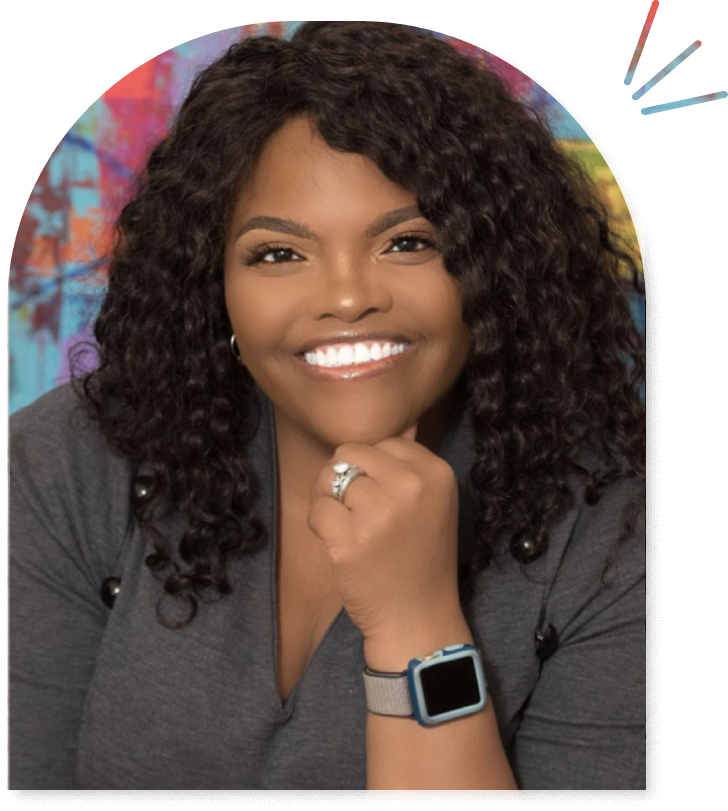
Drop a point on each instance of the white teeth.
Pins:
(361, 353)
(346, 356)
(350, 355)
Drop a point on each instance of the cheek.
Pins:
(444, 310)
(241, 310)
(455, 334)
(260, 316)
(241, 290)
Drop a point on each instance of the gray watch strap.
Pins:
(387, 693)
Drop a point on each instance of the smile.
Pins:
(338, 355)
(347, 362)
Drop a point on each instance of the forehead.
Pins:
(300, 176)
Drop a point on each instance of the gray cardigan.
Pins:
(109, 699)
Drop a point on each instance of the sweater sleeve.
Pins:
(68, 508)
(584, 724)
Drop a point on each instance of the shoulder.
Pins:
(609, 533)
(597, 526)
(596, 560)
(583, 723)
(49, 418)
(53, 437)
(63, 473)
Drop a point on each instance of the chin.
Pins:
(359, 434)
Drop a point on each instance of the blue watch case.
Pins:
(447, 684)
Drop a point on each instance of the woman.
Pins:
(369, 391)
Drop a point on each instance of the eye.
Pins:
(272, 255)
(410, 243)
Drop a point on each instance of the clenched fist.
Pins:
(393, 543)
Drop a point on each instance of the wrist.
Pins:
(391, 653)
(444, 685)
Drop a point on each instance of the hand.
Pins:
(393, 544)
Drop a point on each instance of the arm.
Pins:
(393, 551)
(462, 754)
(584, 724)
(55, 573)
(55, 629)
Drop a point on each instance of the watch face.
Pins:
(450, 685)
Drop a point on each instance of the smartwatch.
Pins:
(441, 686)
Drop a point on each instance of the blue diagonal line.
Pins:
(667, 70)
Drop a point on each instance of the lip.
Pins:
(358, 371)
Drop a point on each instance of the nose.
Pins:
(349, 290)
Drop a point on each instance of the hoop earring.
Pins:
(235, 350)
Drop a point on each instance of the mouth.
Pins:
(354, 363)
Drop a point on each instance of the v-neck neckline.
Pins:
(287, 705)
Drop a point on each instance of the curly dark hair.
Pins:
(556, 369)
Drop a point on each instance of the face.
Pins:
(325, 253)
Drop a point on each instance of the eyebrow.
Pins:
(392, 218)
(285, 226)
(295, 229)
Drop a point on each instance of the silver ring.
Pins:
(345, 475)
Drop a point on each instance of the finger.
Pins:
(323, 484)
(330, 521)
(380, 464)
